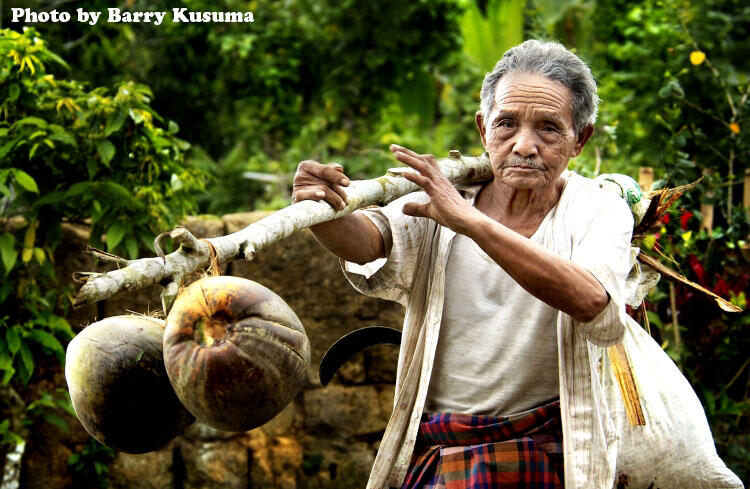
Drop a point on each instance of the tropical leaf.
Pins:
(48, 341)
(13, 340)
(115, 234)
(106, 151)
(487, 37)
(8, 251)
(26, 181)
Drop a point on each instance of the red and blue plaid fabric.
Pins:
(462, 451)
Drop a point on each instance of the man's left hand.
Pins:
(446, 206)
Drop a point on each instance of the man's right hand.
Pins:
(315, 181)
(352, 237)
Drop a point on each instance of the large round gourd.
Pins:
(235, 352)
(119, 387)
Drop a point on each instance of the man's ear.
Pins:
(480, 126)
(583, 138)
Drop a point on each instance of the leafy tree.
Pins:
(308, 79)
(70, 154)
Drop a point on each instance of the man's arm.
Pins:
(554, 280)
(353, 237)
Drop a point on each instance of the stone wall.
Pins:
(326, 438)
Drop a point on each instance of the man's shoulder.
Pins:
(584, 196)
(585, 188)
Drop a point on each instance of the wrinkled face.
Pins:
(529, 135)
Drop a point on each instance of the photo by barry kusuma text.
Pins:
(117, 15)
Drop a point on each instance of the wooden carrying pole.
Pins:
(197, 254)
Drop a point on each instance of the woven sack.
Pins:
(674, 449)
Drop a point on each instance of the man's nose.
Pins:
(526, 144)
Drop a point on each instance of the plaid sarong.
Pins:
(462, 451)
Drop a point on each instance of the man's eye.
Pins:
(504, 123)
(549, 129)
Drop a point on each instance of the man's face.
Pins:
(529, 134)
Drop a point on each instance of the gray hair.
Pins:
(553, 61)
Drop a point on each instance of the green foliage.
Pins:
(8, 437)
(309, 80)
(72, 154)
(44, 333)
(86, 153)
(90, 465)
(488, 35)
(47, 407)
(664, 111)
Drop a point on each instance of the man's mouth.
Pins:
(524, 164)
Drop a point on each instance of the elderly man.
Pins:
(512, 289)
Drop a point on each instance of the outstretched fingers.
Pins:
(403, 149)
(417, 178)
(424, 164)
(446, 205)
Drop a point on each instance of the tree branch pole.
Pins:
(195, 255)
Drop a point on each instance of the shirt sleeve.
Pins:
(391, 278)
(603, 248)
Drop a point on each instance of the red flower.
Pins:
(684, 218)
(740, 283)
(697, 269)
(721, 288)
